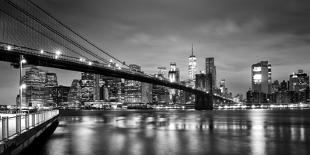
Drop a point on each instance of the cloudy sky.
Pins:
(152, 33)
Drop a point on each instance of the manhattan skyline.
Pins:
(155, 33)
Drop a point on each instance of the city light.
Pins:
(23, 61)
(57, 54)
(82, 59)
(23, 86)
(9, 47)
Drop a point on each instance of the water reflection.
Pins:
(179, 132)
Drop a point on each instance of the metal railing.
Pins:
(15, 125)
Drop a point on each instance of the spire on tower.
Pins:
(192, 55)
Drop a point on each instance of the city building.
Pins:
(192, 68)
(135, 91)
(87, 87)
(112, 89)
(62, 94)
(35, 92)
(211, 72)
(261, 81)
(160, 94)
(299, 87)
(75, 92)
(51, 82)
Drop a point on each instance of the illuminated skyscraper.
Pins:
(192, 68)
(261, 77)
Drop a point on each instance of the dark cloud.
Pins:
(237, 33)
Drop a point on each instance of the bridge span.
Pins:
(11, 53)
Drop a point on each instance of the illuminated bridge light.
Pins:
(82, 59)
(23, 61)
(23, 86)
(57, 54)
(9, 48)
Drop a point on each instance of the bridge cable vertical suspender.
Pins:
(55, 31)
(41, 33)
(83, 38)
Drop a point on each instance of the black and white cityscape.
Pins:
(154, 77)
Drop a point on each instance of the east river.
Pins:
(237, 132)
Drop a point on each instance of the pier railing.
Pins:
(14, 125)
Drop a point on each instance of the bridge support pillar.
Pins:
(204, 102)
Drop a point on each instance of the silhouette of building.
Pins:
(211, 72)
(75, 92)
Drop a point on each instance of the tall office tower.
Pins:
(51, 82)
(299, 81)
(62, 94)
(261, 77)
(35, 91)
(192, 68)
(133, 89)
(111, 89)
(87, 87)
(75, 92)
(96, 87)
(211, 72)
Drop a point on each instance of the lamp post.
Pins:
(21, 85)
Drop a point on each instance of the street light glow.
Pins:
(82, 59)
(90, 63)
(9, 47)
(41, 51)
(23, 86)
(23, 61)
(58, 53)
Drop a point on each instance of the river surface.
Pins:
(182, 133)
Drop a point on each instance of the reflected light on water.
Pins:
(258, 139)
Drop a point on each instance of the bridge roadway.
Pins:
(11, 53)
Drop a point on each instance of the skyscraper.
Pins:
(192, 68)
(261, 81)
(74, 95)
(211, 70)
(35, 91)
(87, 87)
(261, 77)
(135, 91)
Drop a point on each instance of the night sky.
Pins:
(152, 33)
